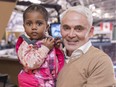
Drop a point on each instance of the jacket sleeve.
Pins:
(19, 41)
(60, 57)
(101, 73)
(30, 57)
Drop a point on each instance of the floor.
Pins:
(7, 85)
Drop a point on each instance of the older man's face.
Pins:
(75, 30)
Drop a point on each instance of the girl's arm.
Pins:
(31, 57)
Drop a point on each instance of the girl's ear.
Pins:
(24, 26)
(47, 28)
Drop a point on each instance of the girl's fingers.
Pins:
(50, 39)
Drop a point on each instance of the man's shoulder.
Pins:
(97, 51)
(98, 55)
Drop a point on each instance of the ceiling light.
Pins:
(106, 15)
(33, 1)
(98, 11)
(92, 7)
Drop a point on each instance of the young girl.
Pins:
(40, 59)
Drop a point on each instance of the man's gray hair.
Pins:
(82, 10)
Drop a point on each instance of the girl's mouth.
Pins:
(34, 33)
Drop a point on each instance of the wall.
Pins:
(11, 67)
(6, 8)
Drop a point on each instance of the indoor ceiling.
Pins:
(103, 10)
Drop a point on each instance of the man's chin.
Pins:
(70, 48)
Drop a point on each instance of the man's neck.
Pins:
(69, 53)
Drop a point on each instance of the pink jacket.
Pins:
(41, 67)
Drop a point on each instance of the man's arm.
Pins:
(101, 73)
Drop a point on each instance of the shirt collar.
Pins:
(85, 47)
(81, 50)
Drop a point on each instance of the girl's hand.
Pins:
(48, 42)
(58, 42)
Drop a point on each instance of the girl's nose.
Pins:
(34, 26)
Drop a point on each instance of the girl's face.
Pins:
(35, 25)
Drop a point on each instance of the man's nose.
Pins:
(72, 33)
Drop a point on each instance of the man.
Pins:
(86, 66)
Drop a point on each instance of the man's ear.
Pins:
(92, 31)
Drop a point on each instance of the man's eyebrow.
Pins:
(80, 26)
(64, 25)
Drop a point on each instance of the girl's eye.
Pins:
(28, 24)
(39, 23)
